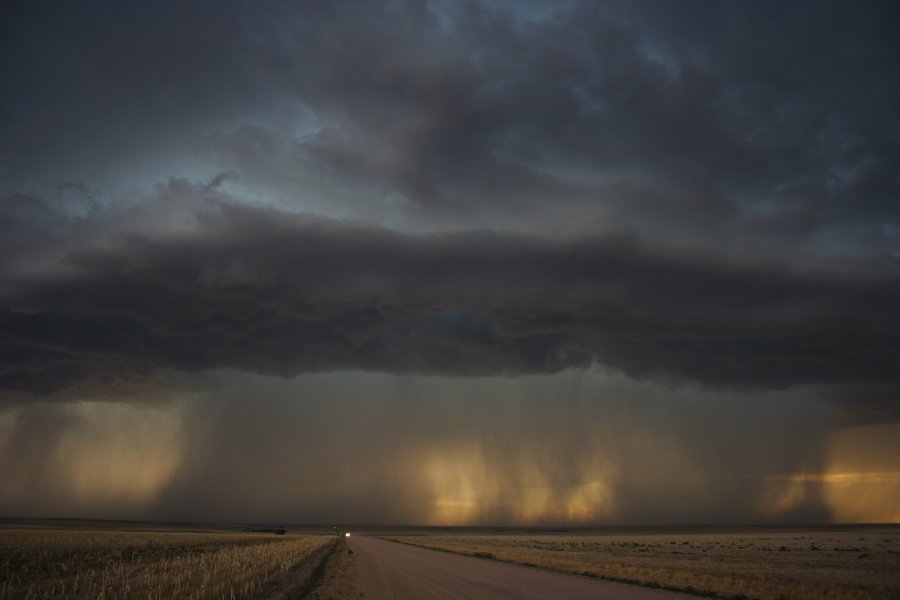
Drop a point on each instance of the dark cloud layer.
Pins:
(766, 123)
(274, 293)
(464, 189)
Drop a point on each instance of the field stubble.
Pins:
(797, 565)
(111, 565)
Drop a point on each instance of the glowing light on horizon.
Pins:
(111, 460)
(862, 481)
(859, 484)
(467, 491)
(849, 478)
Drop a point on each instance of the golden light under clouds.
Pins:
(124, 455)
(465, 486)
(862, 483)
(109, 459)
(572, 450)
(467, 489)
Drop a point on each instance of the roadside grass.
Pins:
(778, 565)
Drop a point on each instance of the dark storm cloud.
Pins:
(484, 106)
(274, 293)
(446, 262)
(761, 123)
(603, 125)
(86, 82)
(771, 122)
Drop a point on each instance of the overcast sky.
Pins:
(450, 262)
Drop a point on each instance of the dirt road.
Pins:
(390, 571)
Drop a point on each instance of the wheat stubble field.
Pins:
(71, 563)
(110, 563)
(795, 564)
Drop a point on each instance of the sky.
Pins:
(450, 263)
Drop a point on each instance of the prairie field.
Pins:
(67, 563)
(798, 564)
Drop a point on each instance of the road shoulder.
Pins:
(336, 577)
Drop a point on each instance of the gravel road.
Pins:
(393, 571)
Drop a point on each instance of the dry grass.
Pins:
(118, 565)
(798, 565)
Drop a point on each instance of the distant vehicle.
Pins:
(341, 532)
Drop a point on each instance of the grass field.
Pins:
(70, 563)
(799, 564)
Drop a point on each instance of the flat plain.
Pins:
(796, 563)
(94, 563)
(115, 561)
